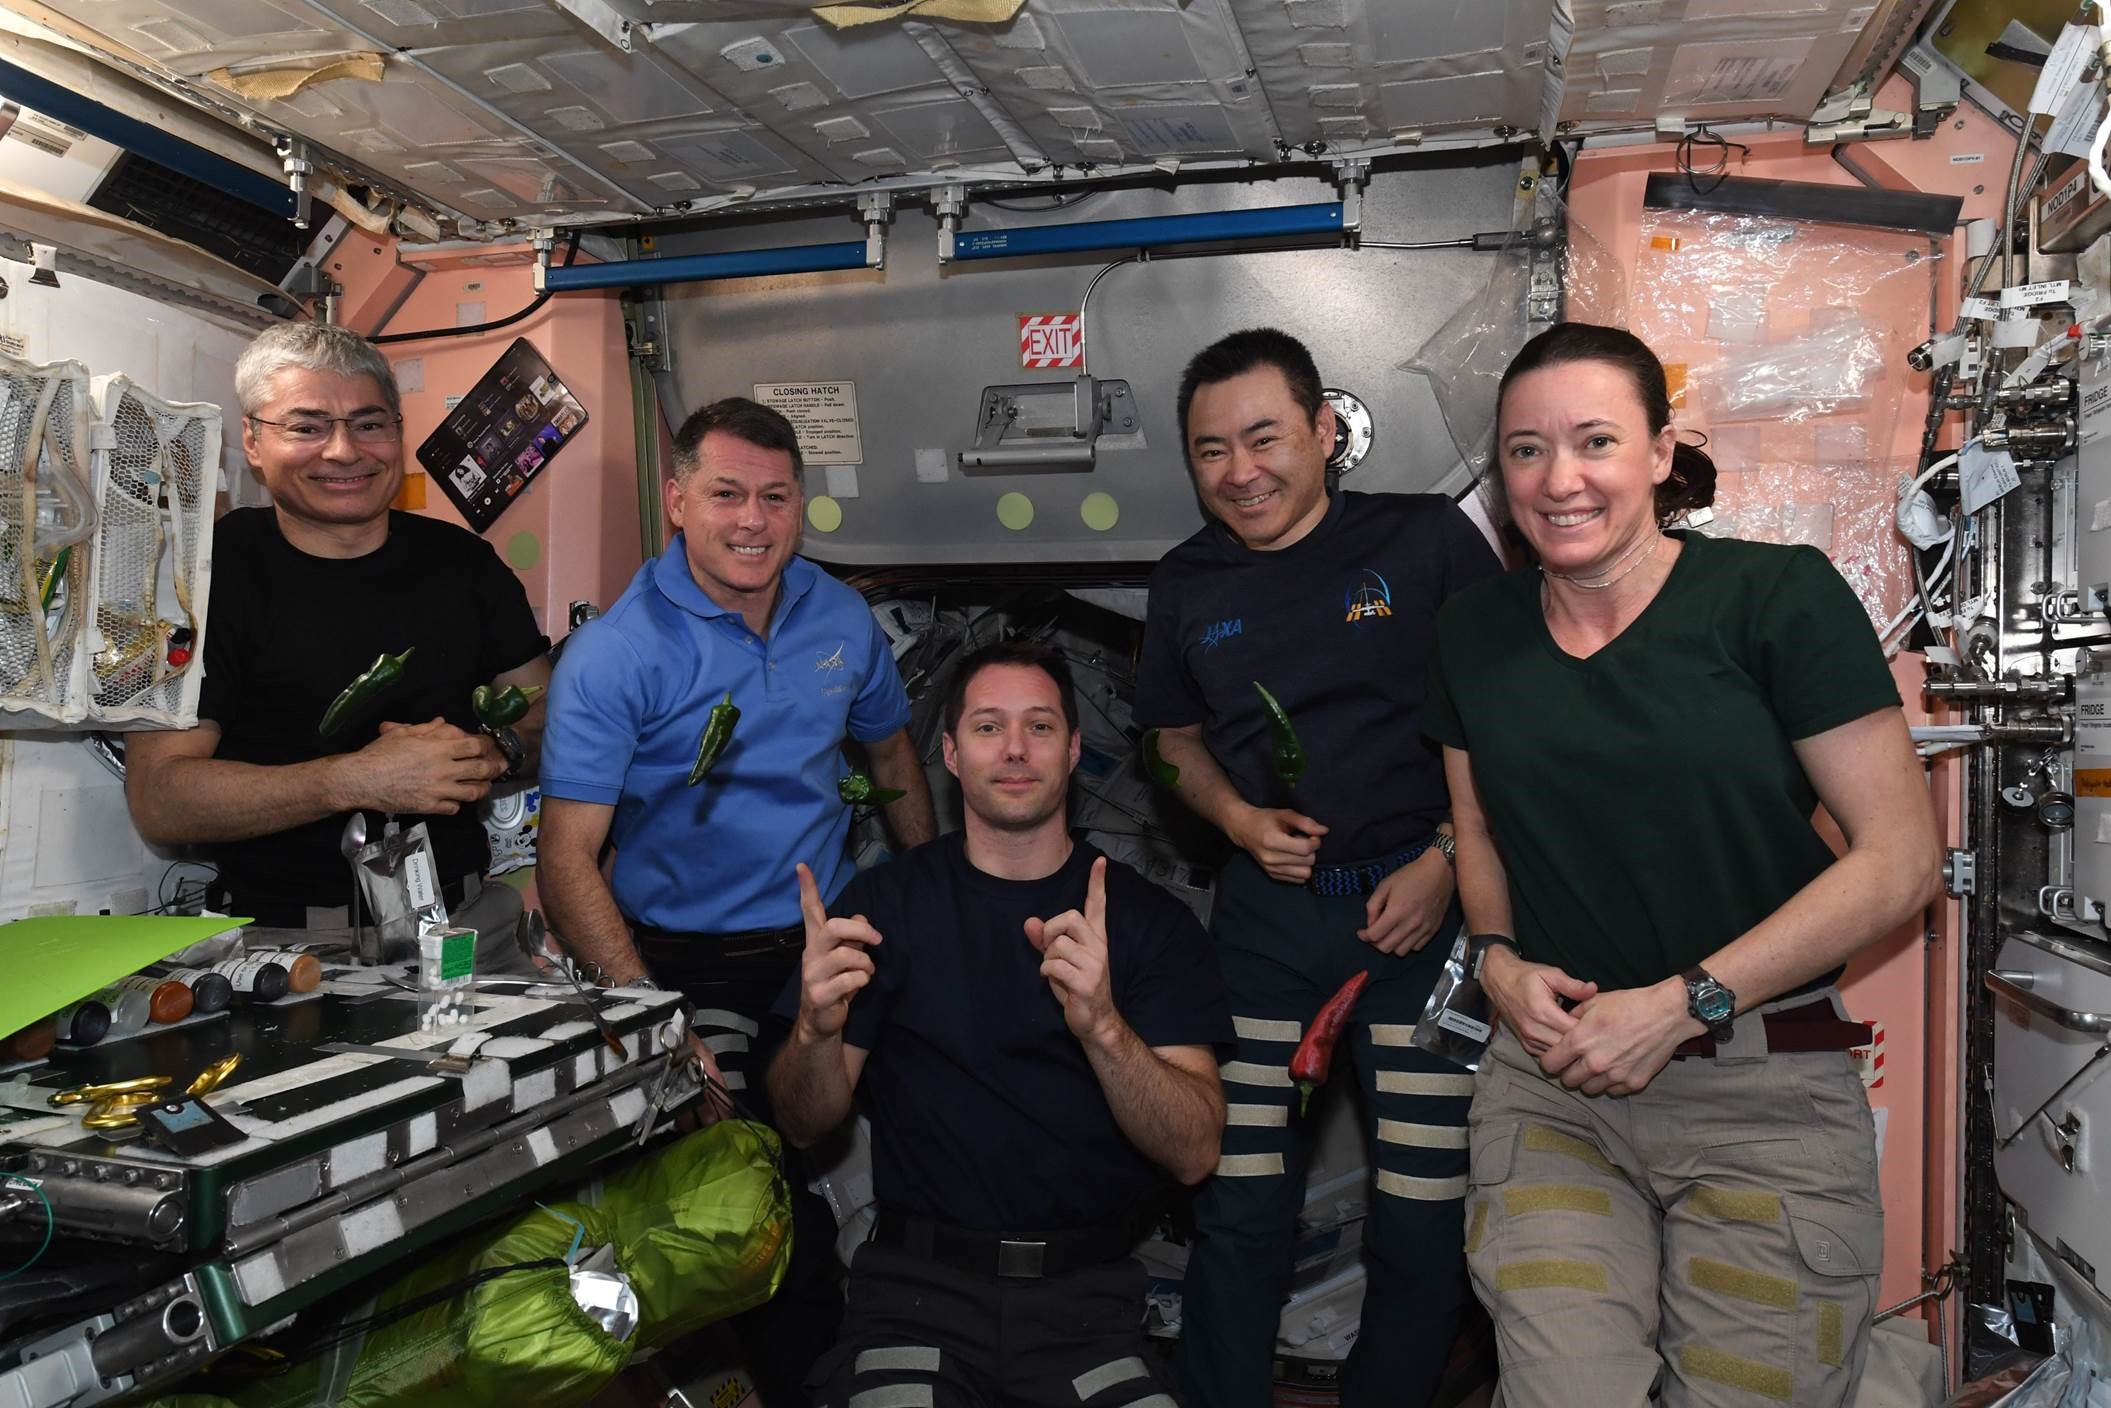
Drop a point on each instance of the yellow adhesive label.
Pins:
(2092, 782)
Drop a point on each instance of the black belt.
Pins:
(1015, 1255)
(745, 944)
(1811, 1027)
(281, 915)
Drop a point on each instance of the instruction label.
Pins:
(2074, 128)
(825, 413)
(2031, 295)
(1984, 475)
(2063, 70)
(2096, 409)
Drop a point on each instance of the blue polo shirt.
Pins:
(632, 691)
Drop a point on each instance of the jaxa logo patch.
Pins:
(1369, 598)
(1222, 631)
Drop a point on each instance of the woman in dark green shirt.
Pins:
(1674, 1175)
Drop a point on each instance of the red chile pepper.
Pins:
(1316, 1052)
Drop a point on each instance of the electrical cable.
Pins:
(2068, 1084)
(571, 251)
(50, 1222)
(1084, 348)
(1057, 200)
(1682, 157)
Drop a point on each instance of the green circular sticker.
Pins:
(824, 513)
(523, 550)
(1015, 511)
(1100, 512)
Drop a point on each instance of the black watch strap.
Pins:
(1477, 946)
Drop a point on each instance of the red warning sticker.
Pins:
(1869, 1060)
(1051, 339)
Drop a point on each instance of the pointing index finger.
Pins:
(1096, 897)
(810, 907)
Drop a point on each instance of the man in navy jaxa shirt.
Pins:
(1329, 602)
(1034, 1029)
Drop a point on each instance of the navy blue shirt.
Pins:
(1339, 627)
(985, 1112)
(629, 701)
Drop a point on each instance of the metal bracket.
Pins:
(878, 209)
(1352, 176)
(1960, 874)
(1042, 441)
(948, 204)
(298, 159)
(1850, 116)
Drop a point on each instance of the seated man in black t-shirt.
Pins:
(305, 594)
(1034, 1027)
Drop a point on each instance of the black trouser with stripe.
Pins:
(738, 977)
(921, 1334)
(1285, 951)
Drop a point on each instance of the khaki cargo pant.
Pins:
(1715, 1239)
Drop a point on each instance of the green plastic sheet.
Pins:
(62, 958)
(702, 1228)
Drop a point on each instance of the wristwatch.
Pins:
(1477, 946)
(509, 743)
(1709, 1002)
(1447, 845)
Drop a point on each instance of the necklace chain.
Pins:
(1614, 574)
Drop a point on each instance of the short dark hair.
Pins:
(1247, 351)
(1692, 482)
(1011, 652)
(761, 426)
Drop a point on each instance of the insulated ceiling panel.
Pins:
(415, 128)
(854, 104)
(523, 110)
(637, 119)
(1705, 60)
(1092, 81)
(1345, 73)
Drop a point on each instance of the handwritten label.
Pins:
(1984, 309)
(2070, 56)
(1984, 475)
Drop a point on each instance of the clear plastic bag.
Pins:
(1463, 360)
(1458, 1023)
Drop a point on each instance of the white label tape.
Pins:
(1984, 309)
(2031, 295)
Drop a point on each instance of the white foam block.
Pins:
(358, 1157)
(537, 1089)
(375, 1225)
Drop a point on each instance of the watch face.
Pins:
(1713, 1005)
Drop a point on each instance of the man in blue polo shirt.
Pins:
(700, 895)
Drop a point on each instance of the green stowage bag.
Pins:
(702, 1228)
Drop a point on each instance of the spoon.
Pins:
(351, 844)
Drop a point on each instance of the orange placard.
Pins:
(2092, 782)
(411, 496)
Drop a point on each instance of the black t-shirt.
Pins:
(1338, 626)
(984, 1110)
(286, 632)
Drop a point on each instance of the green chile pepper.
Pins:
(718, 732)
(858, 788)
(1160, 771)
(363, 690)
(501, 708)
(1289, 753)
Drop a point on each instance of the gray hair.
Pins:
(312, 347)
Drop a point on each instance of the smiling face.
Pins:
(1580, 464)
(324, 485)
(1012, 749)
(1260, 462)
(739, 511)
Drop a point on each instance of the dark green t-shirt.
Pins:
(1647, 801)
